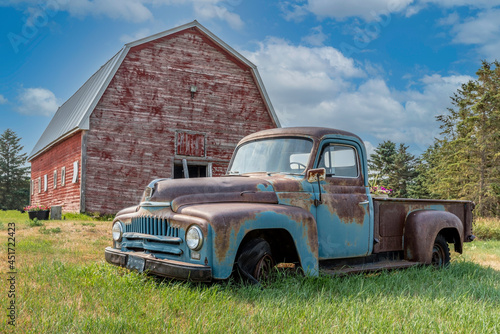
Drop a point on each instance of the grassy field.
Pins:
(63, 285)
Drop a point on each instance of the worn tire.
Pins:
(440, 252)
(256, 260)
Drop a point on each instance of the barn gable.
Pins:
(168, 105)
(74, 114)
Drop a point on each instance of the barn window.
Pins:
(193, 170)
(45, 182)
(32, 187)
(39, 185)
(75, 172)
(55, 179)
(63, 176)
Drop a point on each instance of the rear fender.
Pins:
(421, 229)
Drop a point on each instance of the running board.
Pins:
(368, 267)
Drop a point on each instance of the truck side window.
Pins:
(339, 161)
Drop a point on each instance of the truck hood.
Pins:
(181, 192)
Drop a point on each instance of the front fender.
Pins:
(421, 229)
(230, 222)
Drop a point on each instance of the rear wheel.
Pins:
(440, 252)
(256, 260)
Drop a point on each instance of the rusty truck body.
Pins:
(292, 195)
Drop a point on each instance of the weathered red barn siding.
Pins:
(132, 136)
(64, 154)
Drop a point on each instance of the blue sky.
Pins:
(380, 68)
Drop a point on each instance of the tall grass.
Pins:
(64, 286)
(487, 228)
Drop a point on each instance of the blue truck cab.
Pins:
(295, 197)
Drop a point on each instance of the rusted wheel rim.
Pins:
(438, 256)
(263, 267)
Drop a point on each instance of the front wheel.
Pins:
(256, 260)
(440, 252)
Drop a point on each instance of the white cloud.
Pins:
(318, 86)
(419, 5)
(128, 10)
(3, 100)
(460, 3)
(368, 10)
(482, 30)
(144, 32)
(300, 75)
(211, 10)
(449, 20)
(37, 101)
(373, 10)
(316, 37)
(370, 148)
(293, 12)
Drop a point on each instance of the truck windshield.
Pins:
(273, 155)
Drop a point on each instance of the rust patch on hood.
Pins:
(244, 197)
(168, 190)
(284, 182)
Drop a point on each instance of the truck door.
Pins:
(343, 215)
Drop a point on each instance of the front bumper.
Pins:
(165, 268)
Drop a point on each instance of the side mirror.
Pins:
(316, 175)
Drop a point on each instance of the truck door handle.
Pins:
(364, 203)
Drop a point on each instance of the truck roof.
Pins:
(305, 131)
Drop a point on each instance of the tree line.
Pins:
(464, 163)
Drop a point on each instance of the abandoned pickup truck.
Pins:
(293, 196)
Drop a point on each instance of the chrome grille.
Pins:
(153, 226)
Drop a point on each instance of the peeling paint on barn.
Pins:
(180, 94)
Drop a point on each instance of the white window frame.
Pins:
(55, 179)
(63, 176)
(75, 172)
(39, 184)
(45, 182)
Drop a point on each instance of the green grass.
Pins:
(35, 222)
(60, 298)
(45, 230)
(88, 216)
(64, 286)
(487, 228)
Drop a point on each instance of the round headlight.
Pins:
(194, 238)
(117, 231)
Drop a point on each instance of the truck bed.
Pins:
(390, 216)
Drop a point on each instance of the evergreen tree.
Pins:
(392, 168)
(379, 164)
(403, 172)
(14, 179)
(467, 157)
(420, 185)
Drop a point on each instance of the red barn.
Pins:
(180, 96)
